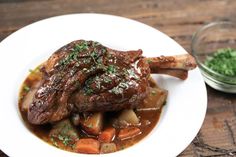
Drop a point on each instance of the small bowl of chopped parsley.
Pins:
(214, 48)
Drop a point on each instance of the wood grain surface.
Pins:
(177, 18)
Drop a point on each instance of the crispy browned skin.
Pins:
(87, 76)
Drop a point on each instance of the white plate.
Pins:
(181, 118)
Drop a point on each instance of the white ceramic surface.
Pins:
(181, 118)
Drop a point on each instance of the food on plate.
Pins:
(88, 98)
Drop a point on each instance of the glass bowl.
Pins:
(206, 41)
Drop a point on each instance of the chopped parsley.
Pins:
(88, 91)
(131, 73)
(74, 52)
(100, 60)
(124, 85)
(94, 55)
(223, 61)
(53, 141)
(95, 43)
(34, 71)
(31, 71)
(111, 69)
(120, 88)
(81, 47)
(98, 84)
(149, 61)
(63, 133)
(117, 90)
(104, 50)
(66, 140)
(107, 80)
(26, 88)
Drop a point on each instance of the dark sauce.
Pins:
(148, 119)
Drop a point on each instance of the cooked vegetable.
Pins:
(107, 135)
(128, 133)
(129, 116)
(93, 123)
(64, 133)
(158, 96)
(108, 148)
(88, 146)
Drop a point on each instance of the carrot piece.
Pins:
(127, 133)
(107, 135)
(88, 146)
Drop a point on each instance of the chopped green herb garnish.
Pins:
(131, 73)
(111, 69)
(86, 60)
(60, 137)
(104, 50)
(36, 70)
(116, 90)
(124, 85)
(100, 60)
(26, 88)
(223, 61)
(107, 80)
(94, 55)
(98, 84)
(120, 88)
(95, 43)
(149, 61)
(88, 90)
(67, 140)
(74, 53)
(31, 71)
(53, 141)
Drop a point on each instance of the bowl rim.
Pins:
(213, 73)
(182, 137)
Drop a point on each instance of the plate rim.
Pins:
(95, 14)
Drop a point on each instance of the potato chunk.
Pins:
(108, 148)
(129, 116)
(155, 100)
(93, 123)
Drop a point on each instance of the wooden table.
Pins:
(177, 18)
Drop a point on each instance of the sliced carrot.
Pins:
(88, 146)
(107, 135)
(127, 133)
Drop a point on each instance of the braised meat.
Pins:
(87, 76)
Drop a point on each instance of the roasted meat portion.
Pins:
(87, 76)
